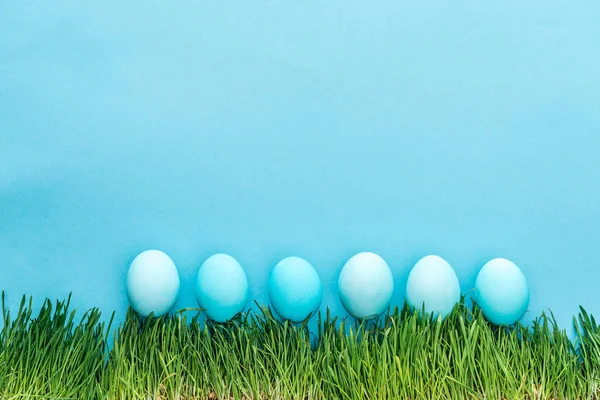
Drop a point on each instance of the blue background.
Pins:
(320, 129)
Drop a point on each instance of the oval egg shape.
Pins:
(366, 285)
(152, 283)
(221, 287)
(502, 293)
(295, 289)
(433, 286)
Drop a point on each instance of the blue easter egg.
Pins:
(221, 287)
(366, 285)
(295, 289)
(502, 292)
(152, 283)
(433, 284)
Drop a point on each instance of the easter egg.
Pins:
(152, 283)
(295, 289)
(221, 287)
(501, 292)
(433, 285)
(366, 285)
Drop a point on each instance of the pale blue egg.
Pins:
(295, 289)
(152, 283)
(366, 285)
(502, 292)
(221, 287)
(432, 284)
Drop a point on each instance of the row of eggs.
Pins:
(365, 287)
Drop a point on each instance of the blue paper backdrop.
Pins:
(320, 129)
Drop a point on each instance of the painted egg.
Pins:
(221, 287)
(433, 285)
(502, 292)
(295, 289)
(366, 285)
(152, 283)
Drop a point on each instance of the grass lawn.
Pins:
(52, 355)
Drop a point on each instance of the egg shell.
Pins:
(433, 285)
(501, 292)
(221, 287)
(152, 283)
(366, 285)
(295, 289)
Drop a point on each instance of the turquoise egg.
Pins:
(502, 292)
(433, 285)
(221, 287)
(152, 283)
(366, 286)
(295, 289)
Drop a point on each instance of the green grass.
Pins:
(53, 355)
